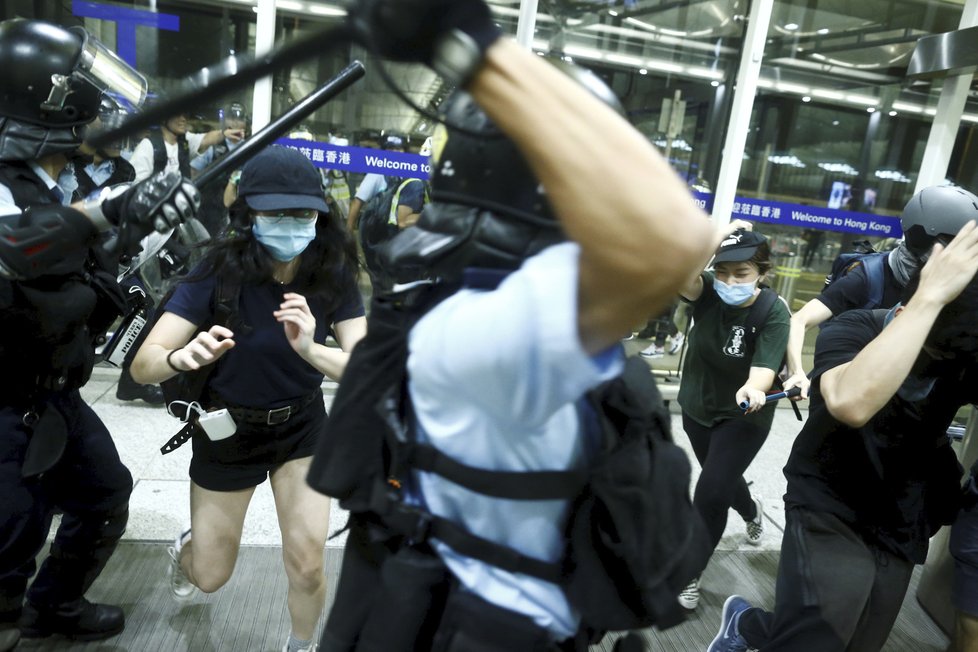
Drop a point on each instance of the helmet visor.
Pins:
(106, 70)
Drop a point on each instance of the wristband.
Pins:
(170, 362)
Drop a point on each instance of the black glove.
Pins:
(451, 36)
(160, 202)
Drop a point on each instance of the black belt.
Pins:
(274, 417)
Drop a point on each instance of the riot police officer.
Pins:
(57, 292)
(543, 274)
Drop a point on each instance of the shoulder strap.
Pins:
(511, 485)
(875, 274)
(758, 313)
(159, 151)
(392, 213)
(226, 297)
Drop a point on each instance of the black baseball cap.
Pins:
(281, 178)
(739, 246)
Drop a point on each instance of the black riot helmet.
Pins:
(936, 214)
(52, 84)
(393, 140)
(488, 208)
(54, 77)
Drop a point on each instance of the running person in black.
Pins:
(872, 475)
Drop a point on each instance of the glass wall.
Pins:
(836, 126)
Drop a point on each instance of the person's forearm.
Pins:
(210, 139)
(811, 314)
(351, 218)
(760, 378)
(150, 367)
(854, 392)
(328, 360)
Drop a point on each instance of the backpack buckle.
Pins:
(422, 526)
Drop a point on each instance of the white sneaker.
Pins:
(755, 528)
(677, 344)
(180, 584)
(652, 351)
(312, 647)
(689, 597)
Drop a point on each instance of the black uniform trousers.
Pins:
(89, 485)
(835, 592)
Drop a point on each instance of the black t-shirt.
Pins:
(894, 479)
(851, 292)
(262, 370)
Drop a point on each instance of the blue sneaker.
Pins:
(728, 639)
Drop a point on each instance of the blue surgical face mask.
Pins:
(734, 294)
(284, 237)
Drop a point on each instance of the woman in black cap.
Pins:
(724, 367)
(294, 266)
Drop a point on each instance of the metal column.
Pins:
(950, 107)
(261, 110)
(742, 105)
(526, 23)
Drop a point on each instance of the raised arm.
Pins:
(856, 390)
(636, 252)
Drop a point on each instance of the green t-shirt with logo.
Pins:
(717, 362)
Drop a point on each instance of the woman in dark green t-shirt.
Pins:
(723, 368)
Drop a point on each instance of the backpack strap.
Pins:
(392, 214)
(226, 296)
(419, 526)
(759, 311)
(875, 273)
(511, 485)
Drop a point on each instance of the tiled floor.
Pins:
(160, 506)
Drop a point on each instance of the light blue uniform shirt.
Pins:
(372, 185)
(65, 187)
(494, 377)
(100, 173)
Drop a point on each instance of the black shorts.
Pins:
(246, 458)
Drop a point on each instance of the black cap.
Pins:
(739, 246)
(280, 178)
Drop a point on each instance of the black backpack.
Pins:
(634, 538)
(188, 386)
(378, 225)
(874, 262)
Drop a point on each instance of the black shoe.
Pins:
(152, 394)
(81, 621)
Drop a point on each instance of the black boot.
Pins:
(80, 620)
(129, 390)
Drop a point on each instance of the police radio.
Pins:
(130, 327)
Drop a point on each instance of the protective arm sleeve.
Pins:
(48, 239)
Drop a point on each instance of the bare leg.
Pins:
(966, 633)
(216, 521)
(303, 517)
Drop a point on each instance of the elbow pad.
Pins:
(44, 240)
